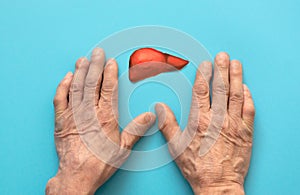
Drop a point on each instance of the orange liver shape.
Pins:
(148, 62)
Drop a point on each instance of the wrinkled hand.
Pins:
(222, 168)
(88, 142)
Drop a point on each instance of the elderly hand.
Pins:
(217, 158)
(88, 142)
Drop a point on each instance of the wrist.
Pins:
(61, 184)
(233, 188)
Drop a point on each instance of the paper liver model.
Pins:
(148, 62)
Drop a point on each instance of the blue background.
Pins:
(41, 40)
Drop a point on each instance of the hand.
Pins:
(88, 142)
(216, 160)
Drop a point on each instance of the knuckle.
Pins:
(237, 97)
(106, 91)
(218, 108)
(125, 142)
(166, 124)
(75, 88)
(236, 71)
(221, 88)
(110, 84)
(90, 83)
(92, 80)
(201, 88)
(108, 98)
(162, 125)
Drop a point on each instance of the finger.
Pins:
(136, 128)
(77, 86)
(94, 76)
(166, 121)
(236, 89)
(248, 108)
(201, 86)
(61, 97)
(108, 101)
(220, 83)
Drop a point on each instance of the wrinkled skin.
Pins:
(223, 168)
(80, 171)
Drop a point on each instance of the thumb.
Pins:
(136, 128)
(166, 121)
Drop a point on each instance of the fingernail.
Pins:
(110, 61)
(206, 64)
(97, 51)
(235, 64)
(245, 88)
(147, 117)
(159, 108)
(82, 60)
(69, 75)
